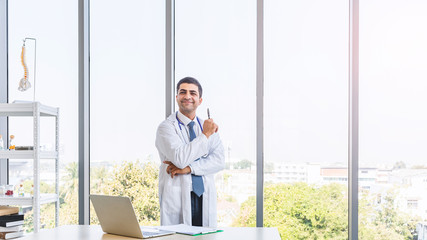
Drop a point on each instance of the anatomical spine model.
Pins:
(24, 84)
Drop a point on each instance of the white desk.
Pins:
(94, 232)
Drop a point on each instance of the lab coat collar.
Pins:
(184, 119)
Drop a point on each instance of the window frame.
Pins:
(84, 111)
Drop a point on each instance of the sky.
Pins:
(306, 75)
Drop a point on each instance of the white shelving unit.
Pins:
(35, 110)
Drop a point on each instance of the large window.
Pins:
(305, 121)
(215, 43)
(306, 106)
(57, 86)
(127, 101)
(393, 117)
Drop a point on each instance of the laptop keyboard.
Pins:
(149, 234)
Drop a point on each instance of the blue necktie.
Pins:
(198, 187)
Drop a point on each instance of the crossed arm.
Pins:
(181, 157)
(173, 170)
(213, 162)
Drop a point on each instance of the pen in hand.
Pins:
(209, 126)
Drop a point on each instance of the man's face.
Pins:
(188, 98)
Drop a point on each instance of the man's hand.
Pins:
(209, 127)
(173, 170)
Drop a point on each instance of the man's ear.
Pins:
(201, 100)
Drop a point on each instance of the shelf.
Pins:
(34, 110)
(27, 154)
(26, 109)
(24, 201)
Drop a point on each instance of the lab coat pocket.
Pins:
(172, 200)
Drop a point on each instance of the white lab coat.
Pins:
(174, 145)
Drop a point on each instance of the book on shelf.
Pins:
(12, 217)
(11, 220)
(11, 229)
(10, 235)
(6, 210)
(24, 148)
(11, 224)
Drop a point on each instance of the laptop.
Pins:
(116, 216)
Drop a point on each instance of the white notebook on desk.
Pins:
(189, 230)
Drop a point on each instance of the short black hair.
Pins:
(191, 81)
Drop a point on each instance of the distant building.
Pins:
(383, 175)
(412, 194)
(367, 176)
(284, 172)
(334, 175)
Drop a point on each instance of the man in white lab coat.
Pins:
(191, 153)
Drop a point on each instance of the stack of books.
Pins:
(11, 222)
